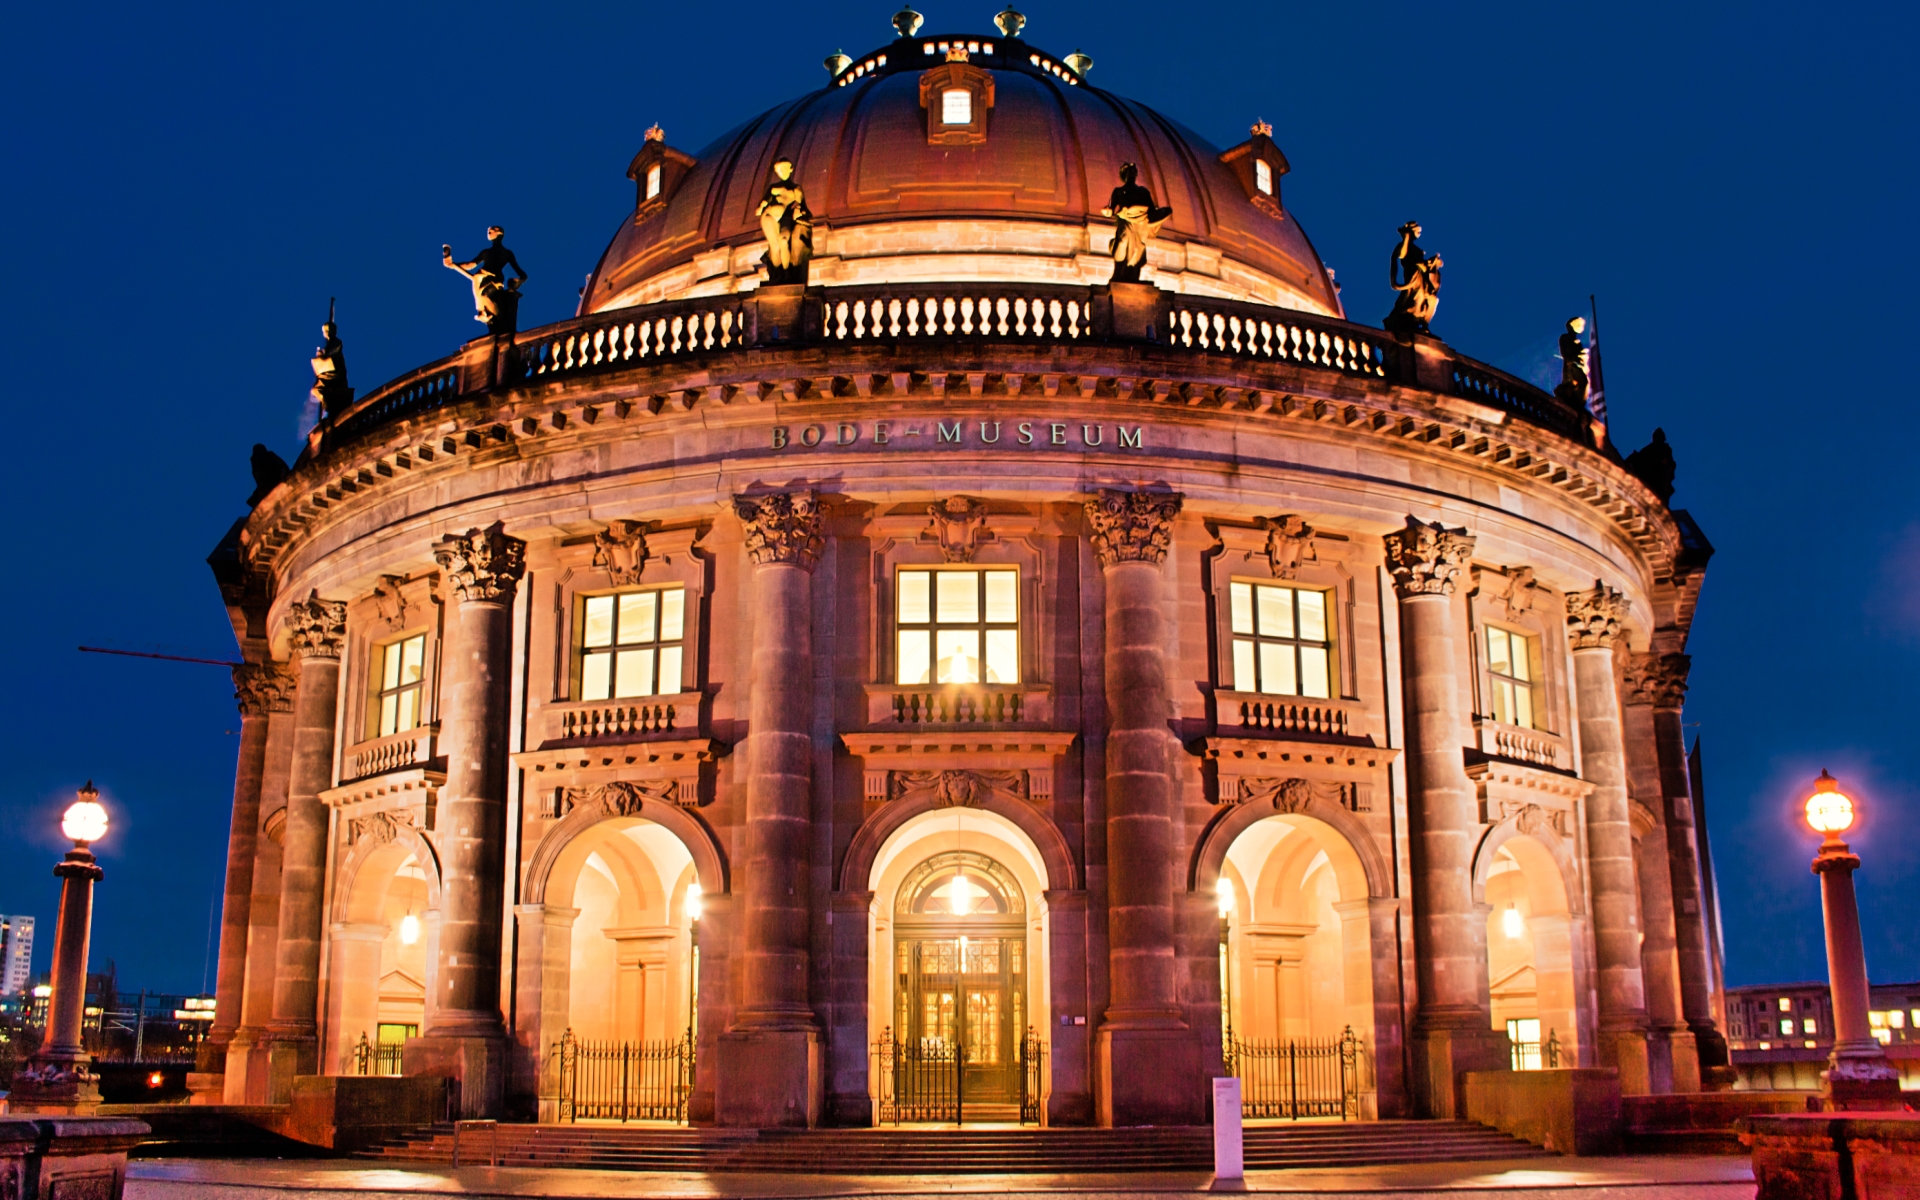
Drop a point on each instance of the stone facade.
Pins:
(574, 636)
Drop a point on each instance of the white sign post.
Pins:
(1228, 1155)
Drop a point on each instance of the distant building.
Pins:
(1780, 1034)
(16, 954)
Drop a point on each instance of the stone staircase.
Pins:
(965, 1150)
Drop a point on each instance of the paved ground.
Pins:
(1665, 1178)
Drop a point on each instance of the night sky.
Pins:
(186, 185)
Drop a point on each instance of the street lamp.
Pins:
(57, 1078)
(1858, 1075)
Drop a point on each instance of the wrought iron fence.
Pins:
(1033, 1057)
(919, 1080)
(1294, 1079)
(1537, 1056)
(376, 1058)
(621, 1081)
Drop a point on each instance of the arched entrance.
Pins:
(383, 944)
(1530, 965)
(957, 936)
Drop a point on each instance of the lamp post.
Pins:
(57, 1078)
(1858, 1075)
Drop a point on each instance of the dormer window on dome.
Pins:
(1258, 164)
(956, 96)
(656, 171)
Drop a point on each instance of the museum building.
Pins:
(956, 625)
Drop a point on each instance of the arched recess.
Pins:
(383, 938)
(856, 870)
(709, 860)
(1524, 873)
(1204, 872)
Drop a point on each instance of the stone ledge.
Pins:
(1826, 1155)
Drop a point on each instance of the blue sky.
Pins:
(187, 185)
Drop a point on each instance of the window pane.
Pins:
(957, 653)
(1786, 1026)
(1242, 603)
(957, 597)
(1499, 656)
(1243, 680)
(1523, 707)
(412, 653)
(389, 667)
(1313, 616)
(1003, 656)
(1003, 597)
(1276, 611)
(1503, 701)
(1263, 176)
(633, 673)
(389, 713)
(956, 107)
(596, 676)
(1313, 671)
(916, 654)
(1276, 670)
(673, 614)
(914, 606)
(636, 618)
(1522, 656)
(599, 622)
(669, 670)
(653, 181)
(408, 718)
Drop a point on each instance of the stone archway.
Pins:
(1524, 874)
(383, 939)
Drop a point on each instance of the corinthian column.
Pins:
(1673, 1063)
(318, 629)
(1453, 1031)
(259, 689)
(1146, 1066)
(466, 1037)
(770, 1069)
(1593, 622)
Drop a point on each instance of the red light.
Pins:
(156, 1079)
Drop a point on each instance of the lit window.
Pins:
(1915, 1015)
(1809, 1025)
(397, 673)
(1263, 176)
(1897, 1019)
(1513, 662)
(653, 181)
(631, 644)
(958, 626)
(1786, 1027)
(956, 107)
(1786, 1005)
(1876, 1019)
(1282, 641)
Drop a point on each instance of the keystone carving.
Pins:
(1294, 795)
(482, 565)
(1289, 543)
(782, 528)
(317, 627)
(1538, 822)
(959, 525)
(1426, 559)
(389, 602)
(1593, 617)
(965, 788)
(262, 688)
(379, 828)
(1658, 679)
(1513, 589)
(1132, 526)
(618, 799)
(621, 551)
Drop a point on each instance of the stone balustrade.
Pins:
(1533, 746)
(395, 752)
(1244, 711)
(956, 704)
(589, 720)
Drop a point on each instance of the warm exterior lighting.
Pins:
(1512, 923)
(961, 894)
(41, 991)
(692, 903)
(156, 1079)
(85, 821)
(1829, 810)
(409, 929)
(1223, 890)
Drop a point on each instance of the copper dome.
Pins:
(1021, 203)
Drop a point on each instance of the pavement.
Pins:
(1668, 1177)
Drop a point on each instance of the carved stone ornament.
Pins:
(317, 627)
(379, 828)
(782, 528)
(621, 551)
(390, 602)
(1426, 559)
(965, 788)
(619, 799)
(959, 526)
(1289, 543)
(1132, 526)
(1538, 822)
(262, 688)
(1294, 795)
(1658, 679)
(1514, 591)
(482, 565)
(1593, 617)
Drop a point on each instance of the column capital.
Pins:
(318, 627)
(482, 565)
(1593, 617)
(1658, 679)
(783, 527)
(1132, 526)
(262, 688)
(1425, 559)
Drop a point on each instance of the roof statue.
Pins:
(330, 388)
(788, 224)
(1136, 221)
(496, 299)
(1415, 279)
(268, 470)
(1654, 464)
(1573, 363)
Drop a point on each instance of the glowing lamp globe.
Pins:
(693, 902)
(1223, 890)
(1829, 810)
(85, 820)
(409, 929)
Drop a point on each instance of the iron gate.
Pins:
(923, 1080)
(1294, 1079)
(622, 1081)
(1032, 1058)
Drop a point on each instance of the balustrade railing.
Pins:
(616, 718)
(627, 336)
(394, 752)
(957, 706)
(1279, 334)
(1009, 311)
(1284, 717)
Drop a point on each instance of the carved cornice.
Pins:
(620, 798)
(959, 526)
(1132, 526)
(1594, 616)
(1289, 543)
(621, 551)
(783, 527)
(262, 688)
(317, 627)
(482, 565)
(1658, 679)
(1425, 559)
(1294, 795)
